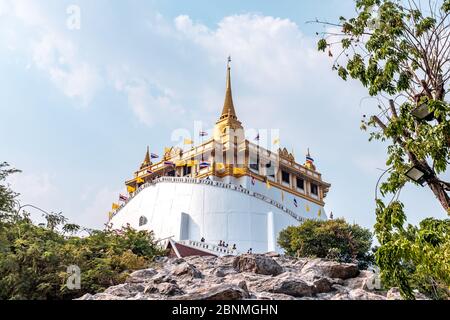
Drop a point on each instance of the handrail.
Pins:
(208, 246)
(214, 184)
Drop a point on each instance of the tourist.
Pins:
(220, 243)
(202, 240)
(234, 246)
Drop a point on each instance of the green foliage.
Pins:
(335, 239)
(34, 259)
(399, 50)
(7, 196)
(413, 257)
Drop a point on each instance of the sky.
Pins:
(81, 99)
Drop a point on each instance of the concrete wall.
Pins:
(196, 210)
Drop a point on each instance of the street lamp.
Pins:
(422, 112)
(417, 175)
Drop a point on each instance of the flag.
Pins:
(220, 166)
(309, 159)
(188, 141)
(295, 203)
(268, 184)
(167, 150)
(204, 165)
(203, 134)
(110, 215)
(257, 138)
(253, 180)
(307, 208)
(154, 156)
(239, 171)
(131, 189)
(276, 141)
(123, 198)
(169, 163)
(149, 171)
(115, 206)
(180, 163)
(320, 213)
(140, 180)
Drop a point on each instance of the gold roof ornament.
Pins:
(228, 110)
(147, 162)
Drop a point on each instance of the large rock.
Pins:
(141, 275)
(221, 292)
(259, 264)
(358, 294)
(330, 269)
(186, 269)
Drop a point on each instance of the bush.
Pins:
(34, 259)
(332, 239)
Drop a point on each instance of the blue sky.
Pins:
(79, 107)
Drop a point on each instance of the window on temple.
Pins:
(300, 183)
(142, 221)
(254, 163)
(314, 189)
(187, 170)
(270, 170)
(171, 173)
(285, 177)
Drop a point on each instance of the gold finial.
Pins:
(147, 162)
(228, 106)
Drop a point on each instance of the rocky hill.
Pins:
(261, 277)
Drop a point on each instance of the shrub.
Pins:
(332, 239)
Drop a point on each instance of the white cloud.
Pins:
(51, 50)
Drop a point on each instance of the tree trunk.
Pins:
(440, 193)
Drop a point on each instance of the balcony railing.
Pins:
(212, 183)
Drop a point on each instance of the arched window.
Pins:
(142, 221)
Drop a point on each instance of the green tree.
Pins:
(7, 196)
(335, 239)
(34, 258)
(400, 51)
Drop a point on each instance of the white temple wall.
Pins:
(213, 213)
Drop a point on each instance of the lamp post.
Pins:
(422, 112)
(416, 174)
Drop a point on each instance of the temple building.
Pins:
(227, 195)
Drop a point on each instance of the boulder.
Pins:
(125, 290)
(141, 275)
(358, 294)
(221, 292)
(330, 269)
(259, 264)
(186, 269)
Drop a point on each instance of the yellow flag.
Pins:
(239, 171)
(320, 213)
(220, 166)
(115, 206)
(110, 215)
(307, 208)
(180, 163)
(276, 141)
(140, 180)
(268, 184)
(188, 141)
(167, 150)
(131, 189)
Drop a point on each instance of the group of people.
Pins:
(223, 244)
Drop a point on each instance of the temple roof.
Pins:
(228, 110)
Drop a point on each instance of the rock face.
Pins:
(262, 277)
(260, 264)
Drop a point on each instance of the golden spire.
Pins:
(228, 106)
(147, 162)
